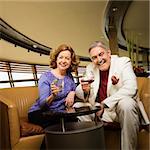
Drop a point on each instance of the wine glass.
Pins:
(59, 84)
(88, 77)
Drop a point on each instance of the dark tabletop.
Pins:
(70, 112)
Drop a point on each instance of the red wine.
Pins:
(87, 80)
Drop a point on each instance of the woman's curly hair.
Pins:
(74, 59)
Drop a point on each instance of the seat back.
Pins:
(143, 85)
(144, 92)
(23, 97)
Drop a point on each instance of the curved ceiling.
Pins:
(75, 22)
(136, 22)
(54, 22)
(11, 35)
(131, 19)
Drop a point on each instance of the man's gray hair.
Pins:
(98, 44)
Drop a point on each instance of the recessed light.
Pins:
(114, 8)
(35, 46)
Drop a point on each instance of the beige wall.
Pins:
(51, 23)
(10, 52)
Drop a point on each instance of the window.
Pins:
(40, 69)
(5, 85)
(26, 83)
(18, 75)
(39, 75)
(4, 76)
(14, 74)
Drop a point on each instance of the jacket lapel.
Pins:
(97, 81)
(112, 71)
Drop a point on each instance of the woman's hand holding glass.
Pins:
(55, 89)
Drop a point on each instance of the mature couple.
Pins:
(114, 90)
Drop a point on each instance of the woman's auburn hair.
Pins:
(74, 59)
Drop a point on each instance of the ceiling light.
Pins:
(114, 9)
(35, 46)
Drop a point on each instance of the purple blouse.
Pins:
(58, 103)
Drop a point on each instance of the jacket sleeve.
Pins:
(44, 90)
(128, 86)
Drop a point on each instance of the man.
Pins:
(114, 89)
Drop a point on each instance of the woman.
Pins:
(56, 86)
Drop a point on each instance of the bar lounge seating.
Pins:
(19, 134)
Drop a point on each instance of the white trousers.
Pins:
(127, 114)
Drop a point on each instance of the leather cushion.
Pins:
(28, 129)
(111, 125)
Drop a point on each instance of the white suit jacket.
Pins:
(120, 67)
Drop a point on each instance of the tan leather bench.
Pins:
(14, 105)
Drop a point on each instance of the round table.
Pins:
(71, 112)
(75, 135)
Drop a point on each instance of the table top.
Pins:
(70, 112)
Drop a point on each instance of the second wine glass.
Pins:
(88, 77)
